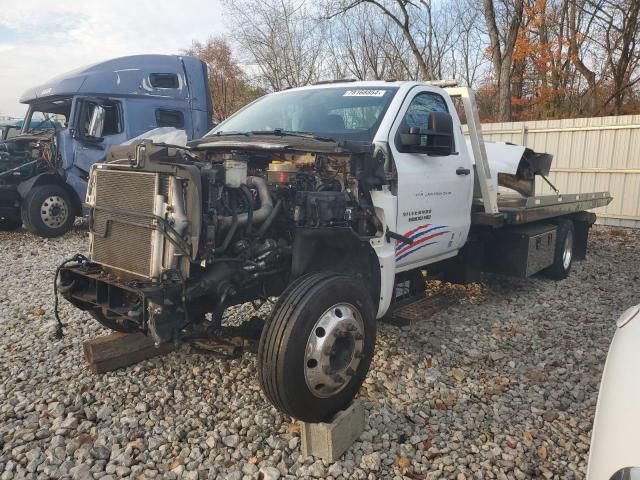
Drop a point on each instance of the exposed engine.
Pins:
(178, 234)
(24, 156)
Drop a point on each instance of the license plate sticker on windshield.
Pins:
(364, 93)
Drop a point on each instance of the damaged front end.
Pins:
(22, 158)
(179, 234)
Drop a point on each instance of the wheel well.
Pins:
(339, 253)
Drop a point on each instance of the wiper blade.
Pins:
(279, 132)
(224, 134)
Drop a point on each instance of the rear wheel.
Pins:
(563, 256)
(317, 346)
(48, 211)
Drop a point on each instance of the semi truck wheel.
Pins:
(48, 211)
(316, 347)
(563, 257)
(9, 225)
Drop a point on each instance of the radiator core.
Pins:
(122, 223)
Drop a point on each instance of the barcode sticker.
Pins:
(364, 93)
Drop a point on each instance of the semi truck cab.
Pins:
(72, 121)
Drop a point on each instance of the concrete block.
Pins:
(329, 440)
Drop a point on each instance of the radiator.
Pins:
(122, 223)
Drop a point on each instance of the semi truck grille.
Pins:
(121, 226)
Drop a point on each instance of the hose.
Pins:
(77, 258)
(258, 216)
(247, 194)
(269, 220)
(234, 226)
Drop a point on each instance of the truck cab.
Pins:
(72, 121)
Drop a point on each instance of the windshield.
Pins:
(345, 113)
(48, 115)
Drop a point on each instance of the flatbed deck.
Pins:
(516, 210)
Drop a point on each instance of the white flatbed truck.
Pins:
(327, 197)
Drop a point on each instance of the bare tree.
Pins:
(502, 46)
(529, 58)
(621, 37)
(356, 44)
(401, 12)
(579, 26)
(283, 39)
(467, 55)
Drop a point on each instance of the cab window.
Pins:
(112, 118)
(169, 118)
(164, 80)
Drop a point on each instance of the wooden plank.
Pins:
(117, 350)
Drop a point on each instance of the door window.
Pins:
(417, 114)
(112, 120)
(420, 108)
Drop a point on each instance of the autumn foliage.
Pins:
(527, 59)
(228, 82)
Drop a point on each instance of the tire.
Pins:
(563, 255)
(48, 211)
(112, 324)
(317, 346)
(8, 225)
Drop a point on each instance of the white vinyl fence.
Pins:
(589, 154)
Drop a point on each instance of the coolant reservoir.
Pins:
(281, 171)
(235, 173)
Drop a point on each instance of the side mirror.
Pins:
(436, 140)
(96, 124)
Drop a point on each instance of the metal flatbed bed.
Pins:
(516, 210)
(493, 209)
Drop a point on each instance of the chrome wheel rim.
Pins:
(334, 350)
(54, 211)
(568, 250)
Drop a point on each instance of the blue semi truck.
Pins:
(73, 119)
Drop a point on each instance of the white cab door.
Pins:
(434, 192)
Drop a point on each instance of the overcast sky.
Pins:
(40, 39)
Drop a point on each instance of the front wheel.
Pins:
(317, 346)
(48, 211)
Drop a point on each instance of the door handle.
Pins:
(463, 171)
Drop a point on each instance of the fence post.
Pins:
(524, 135)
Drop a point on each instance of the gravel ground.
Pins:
(501, 385)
